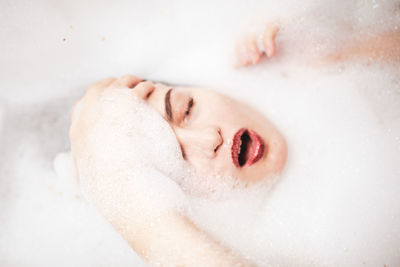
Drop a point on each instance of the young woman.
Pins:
(217, 135)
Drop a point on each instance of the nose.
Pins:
(206, 140)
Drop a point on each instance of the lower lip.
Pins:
(257, 148)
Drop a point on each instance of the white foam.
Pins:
(337, 202)
(121, 159)
(63, 165)
(334, 197)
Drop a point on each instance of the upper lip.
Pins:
(247, 147)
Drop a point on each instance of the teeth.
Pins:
(253, 148)
(236, 150)
(240, 147)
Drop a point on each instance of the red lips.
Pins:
(247, 148)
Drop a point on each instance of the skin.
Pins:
(248, 50)
(170, 238)
(382, 47)
(160, 234)
(205, 133)
(368, 48)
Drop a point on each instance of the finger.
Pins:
(128, 80)
(269, 39)
(95, 89)
(143, 89)
(103, 83)
(241, 55)
(93, 93)
(252, 49)
(76, 110)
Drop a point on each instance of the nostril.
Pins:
(216, 148)
(219, 141)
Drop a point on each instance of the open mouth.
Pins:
(247, 148)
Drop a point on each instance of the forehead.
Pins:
(204, 94)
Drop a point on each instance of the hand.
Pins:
(102, 146)
(253, 47)
(148, 219)
(137, 207)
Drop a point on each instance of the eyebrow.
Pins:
(168, 110)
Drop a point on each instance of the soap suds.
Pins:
(336, 203)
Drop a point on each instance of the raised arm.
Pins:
(379, 46)
(143, 214)
(174, 240)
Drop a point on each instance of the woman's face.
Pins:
(217, 134)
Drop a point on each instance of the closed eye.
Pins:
(178, 107)
(189, 108)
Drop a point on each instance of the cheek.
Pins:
(272, 165)
(220, 113)
(223, 164)
(201, 166)
(281, 154)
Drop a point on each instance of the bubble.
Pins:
(336, 203)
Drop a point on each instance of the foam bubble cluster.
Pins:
(131, 159)
(337, 202)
